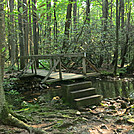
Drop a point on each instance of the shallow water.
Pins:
(111, 89)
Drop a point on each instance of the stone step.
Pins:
(77, 86)
(82, 93)
(86, 101)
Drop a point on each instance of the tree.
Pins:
(126, 44)
(12, 38)
(21, 37)
(6, 116)
(67, 26)
(55, 23)
(25, 25)
(117, 38)
(35, 28)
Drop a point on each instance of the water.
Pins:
(111, 88)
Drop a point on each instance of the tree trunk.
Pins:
(125, 47)
(75, 15)
(88, 11)
(12, 39)
(21, 39)
(2, 95)
(104, 23)
(49, 22)
(55, 24)
(35, 28)
(30, 29)
(67, 27)
(117, 38)
(25, 26)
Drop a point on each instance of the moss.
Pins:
(4, 114)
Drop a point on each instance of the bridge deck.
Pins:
(65, 76)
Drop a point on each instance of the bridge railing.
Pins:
(56, 60)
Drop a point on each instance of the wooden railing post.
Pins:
(51, 63)
(54, 64)
(35, 66)
(32, 65)
(84, 63)
(60, 72)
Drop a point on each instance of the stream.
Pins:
(114, 88)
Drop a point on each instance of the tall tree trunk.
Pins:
(117, 37)
(35, 28)
(25, 26)
(55, 24)
(21, 39)
(2, 41)
(125, 47)
(75, 14)
(111, 15)
(88, 11)
(104, 23)
(88, 22)
(12, 39)
(49, 22)
(67, 27)
(30, 29)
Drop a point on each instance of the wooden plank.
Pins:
(50, 72)
(84, 65)
(49, 56)
(60, 73)
(92, 66)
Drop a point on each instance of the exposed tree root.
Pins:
(13, 121)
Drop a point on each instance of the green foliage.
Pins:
(122, 71)
(14, 98)
(107, 73)
(45, 64)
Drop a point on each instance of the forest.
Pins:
(99, 30)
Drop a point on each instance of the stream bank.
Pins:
(41, 106)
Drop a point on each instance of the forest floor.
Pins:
(39, 106)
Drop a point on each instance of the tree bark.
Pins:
(21, 39)
(25, 26)
(67, 27)
(75, 14)
(117, 38)
(2, 95)
(30, 29)
(125, 47)
(12, 39)
(49, 22)
(35, 28)
(104, 23)
(55, 24)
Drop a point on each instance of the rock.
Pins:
(123, 104)
(112, 107)
(112, 101)
(78, 113)
(93, 107)
(103, 126)
(125, 99)
(118, 98)
(119, 130)
(131, 101)
(131, 120)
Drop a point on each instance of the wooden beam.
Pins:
(92, 66)
(50, 71)
(84, 65)
(60, 73)
(55, 56)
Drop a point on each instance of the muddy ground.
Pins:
(40, 106)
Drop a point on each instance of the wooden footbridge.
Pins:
(77, 94)
(57, 70)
